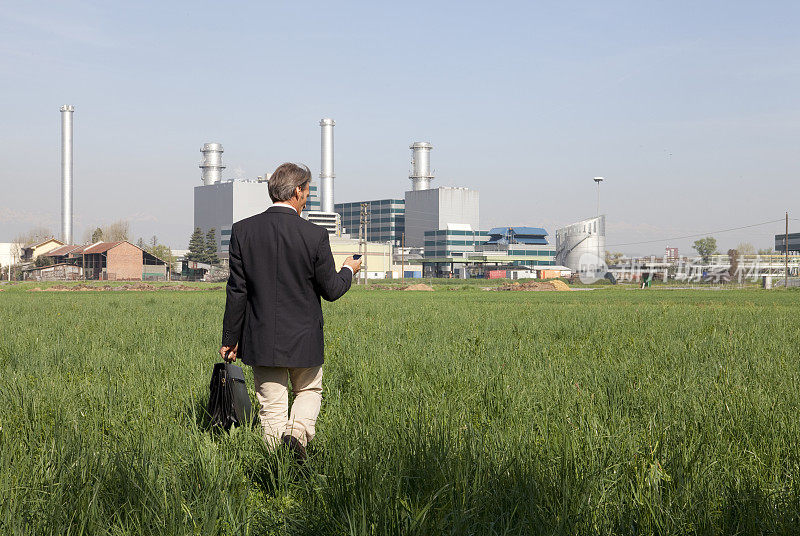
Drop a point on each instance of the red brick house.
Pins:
(112, 261)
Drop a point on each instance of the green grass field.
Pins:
(450, 412)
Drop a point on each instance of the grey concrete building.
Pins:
(221, 204)
(433, 209)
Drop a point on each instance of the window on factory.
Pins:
(225, 232)
(226, 242)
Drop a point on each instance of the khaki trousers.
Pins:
(273, 394)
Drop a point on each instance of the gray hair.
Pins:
(285, 179)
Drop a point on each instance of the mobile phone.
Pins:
(356, 257)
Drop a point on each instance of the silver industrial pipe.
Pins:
(66, 173)
(211, 165)
(421, 175)
(326, 174)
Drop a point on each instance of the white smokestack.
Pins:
(326, 174)
(421, 175)
(66, 173)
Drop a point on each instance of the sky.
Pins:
(689, 110)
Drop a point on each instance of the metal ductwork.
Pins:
(421, 175)
(211, 165)
(326, 174)
(66, 173)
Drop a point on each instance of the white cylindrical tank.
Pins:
(66, 173)
(326, 174)
(211, 165)
(581, 247)
(421, 175)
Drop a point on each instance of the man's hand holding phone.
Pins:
(354, 263)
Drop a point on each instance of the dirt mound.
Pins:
(560, 285)
(536, 286)
(419, 286)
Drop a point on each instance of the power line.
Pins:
(694, 235)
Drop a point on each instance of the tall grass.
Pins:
(469, 412)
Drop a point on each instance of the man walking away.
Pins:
(280, 267)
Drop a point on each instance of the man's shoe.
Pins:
(295, 447)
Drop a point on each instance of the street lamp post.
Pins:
(598, 180)
(600, 259)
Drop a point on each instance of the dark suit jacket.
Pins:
(280, 266)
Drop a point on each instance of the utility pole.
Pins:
(402, 255)
(786, 251)
(362, 238)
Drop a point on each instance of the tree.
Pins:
(153, 242)
(746, 248)
(33, 236)
(141, 245)
(766, 251)
(97, 235)
(43, 260)
(162, 252)
(117, 231)
(613, 258)
(211, 247)
(705, 247)
(197, 248)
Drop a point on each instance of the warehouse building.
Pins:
(385, 222)
(107, 261)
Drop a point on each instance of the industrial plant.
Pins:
(425, 231)
(421, 231)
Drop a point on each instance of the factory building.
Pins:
(219, 205)
(435, 208)
(386, 220)
(521, 246)
(329, 220)
(456, 240)
(313, 203)
(460, 252)
(794, 243)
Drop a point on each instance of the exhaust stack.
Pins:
(66, 173)
(421, 175)
(326, 174)
(211, 164)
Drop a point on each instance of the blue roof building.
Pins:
(517, 235)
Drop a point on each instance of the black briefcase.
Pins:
(229, 403)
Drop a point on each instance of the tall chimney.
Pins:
(421, 175)
(211, 164)
(66, 173)
(326, 174)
